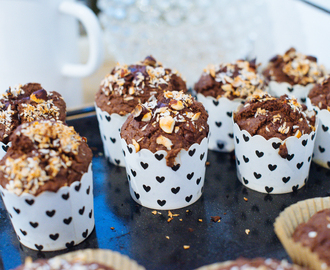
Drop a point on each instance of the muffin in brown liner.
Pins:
(288, 221)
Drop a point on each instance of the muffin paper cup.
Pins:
(155, 185)
(287, 222)
(3, 149)
(215, 266)
(102, 256)
(300, 92)
(322, 145)
(261, 168)
(221, 125)
(53, 220)
(110, 126)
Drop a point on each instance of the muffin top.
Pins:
(315, 234)
(170, 122)
(60, 264)
(28, 103)
(294, 68)
(45, 155)
(265, 115)
(259, 264)
(126, 86)
(320, 93)
(236, 80)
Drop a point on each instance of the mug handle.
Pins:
(94, 33)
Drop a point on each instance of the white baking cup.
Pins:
(322, 142)
(300, 92)
(221, 125)
(155, 185)
(110, 126)
(3, 149)
(53, 220)
(261, 168)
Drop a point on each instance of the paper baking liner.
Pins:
(3, 149)
(110, 126)
(53, 220)
(287, 222)
(261, 168)
(300, 92)
(322, 145)
(221, 125)
(102, 256)
(155, 185)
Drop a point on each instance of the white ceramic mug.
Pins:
(39, 43)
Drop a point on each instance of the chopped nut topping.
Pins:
(164, 141)
(136, 145)
(146, 117)
(167, 124)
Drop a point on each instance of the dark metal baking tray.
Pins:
(123, 225)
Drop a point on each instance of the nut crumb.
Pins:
(245, 199)
(200, 220)
(112, 228)
(215, 218)
(167, 237)
(154, 212)
(186, 247)
(207, 163)
(180, 219)
(247, 231)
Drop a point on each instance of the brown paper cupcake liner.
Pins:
(286, 223)
(102, 256)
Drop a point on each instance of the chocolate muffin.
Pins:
(27, 103)
(293, 68)
(165, 148)
(231, 80)
(127, 85)
(320, 94)
(172, 122)
(46, 184)
(274, 140)
(315, 234)
(253, 264)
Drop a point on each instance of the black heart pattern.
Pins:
(269, 189)
(175, 190)
(2, 194)
(108, 118)
(88, 190)
(220, 145)
(39, 247)
(17, 210)
(309, 158)
(188, 198)
(104, 137)
(54, 236)
(159, 157)
(66, 196)
(257, 175)
(81, 211)
(192, 152)
(34, 224)
(23, 232)
(216, 102)
(90, 214)
(85, 233)
(77, 187)
(146, 188)
(290, 89)
(313, 136)
(229, 114)
(246, 138)
(276, 145)
(128, 177)
(161, 202)
(299, 165)
(245, 181)
(246, 159)
(124, 153)
(176, 167)
(118, 161)
(129, 149)
(160, 179)
(303, 100)
(69, 244)
(238, 162)
(67, 221)
(325, 128)
(272, 167)
(29, 202)
(133, 173)
(202, 156)
(295, 188)
(218, 124)
(137, 195)
(190, 175)
(198, 180)
(259, 154)
(100, 116)
(113, 140)
(304, 142)
(5, 147)
(321, 149)
(144, 165)
(50, 213)
(231, 135)
(237, 140)
(289, 157)
(286, 179)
